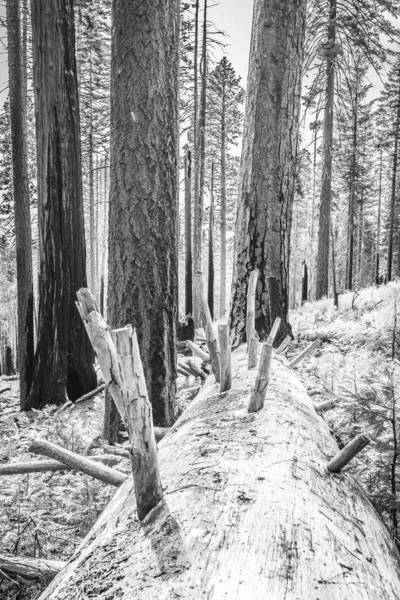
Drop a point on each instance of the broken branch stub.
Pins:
(251, 307)
(211, 336)
(284, 345)
(343, 457)
(139, 416)
(252, 350)
(129, 393)
(225, 357)
(198, 351)
(257, 396)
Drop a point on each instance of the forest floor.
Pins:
(48, 514)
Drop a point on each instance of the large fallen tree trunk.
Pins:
(249, 512)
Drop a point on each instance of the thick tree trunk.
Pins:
(22, 218)
(268, 161)
(322, 272)
(197, 208)
(188, 235)
(249, 512)
(143, 263)
(64, 357)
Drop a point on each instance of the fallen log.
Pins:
(30, 569)
(41, 466)
(198, 351)
(78, 462)
(250, 512)
(89, 395)
(304, 353)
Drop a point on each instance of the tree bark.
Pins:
(393, 191)
(64, 357)
(378, 226)
(352, 199)
(250, 511)
(222, 285)
(267, 171)
(188, 235)
(321, 280)
(197, 208)
(22, 217)
(143, 263)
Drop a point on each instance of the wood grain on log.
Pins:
(41, 466)
(78, 462)
(249, 512)
(31, 569)
(251, 307)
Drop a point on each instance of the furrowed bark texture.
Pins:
(249, 512)
(32, 569)
(143, 196)
(64, 357)
(22, 217)
(268, 160)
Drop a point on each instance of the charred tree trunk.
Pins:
(304, 284)
(22, 217)
(64, 357)
(267, 176)
(188, 235)
(143, 263)
(271, 522)
(321, 283)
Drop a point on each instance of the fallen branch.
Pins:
(181, 371)
(98, 390)
(284, 345)
(5, 390)
(196, 370)
(117, 451)
(198, 351)
(315, 392)
(31, 569)
(78, 462)
(41, 466)
(324, 406)
(303, 354)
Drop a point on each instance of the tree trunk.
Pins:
(352, 202)
(393, 193)
(267, 178)
(22, 217)
(92, 278)
(197, 209)
(201, 164)
(222, 285)
(64, 357)
(188, 236)
(335, 292)
(143, 263)
(304, 284)
(210, 289)
(378, 226)
(321, 283)
(267, 522)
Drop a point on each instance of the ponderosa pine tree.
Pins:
(267, 178)
(22, 216)
(64, 357)
(225, 127)
(143, 264)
